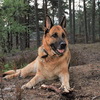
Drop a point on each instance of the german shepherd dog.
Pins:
(52, 60)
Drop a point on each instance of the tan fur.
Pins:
(46, 68)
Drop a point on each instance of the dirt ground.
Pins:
(84, 78)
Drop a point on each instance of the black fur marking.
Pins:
(45, 55)
(46, 31)
(55, 50)
(3, 75)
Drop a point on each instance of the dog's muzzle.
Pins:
(59, 48)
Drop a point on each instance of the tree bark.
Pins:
(11, 40)
(93, 21)
(22, 41)
(8, 41)
(59, 10)
(88, 27)
(53, 13)
(28, 23)
(70, 18)
(37, 24)
(45, 8)
(17, 40)
(85, 23)
(73, 26)
(99, 18)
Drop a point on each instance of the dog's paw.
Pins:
(7, 77)
(66, 89)
(27, 86)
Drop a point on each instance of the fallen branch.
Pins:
(50, 87)
(55, 89)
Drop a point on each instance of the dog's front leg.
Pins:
(64, 78)
(37, 78)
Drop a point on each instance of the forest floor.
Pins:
(84, 78)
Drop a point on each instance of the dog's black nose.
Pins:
(62, 45)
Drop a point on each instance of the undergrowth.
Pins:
(10, 66)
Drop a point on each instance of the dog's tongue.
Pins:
(61, 51)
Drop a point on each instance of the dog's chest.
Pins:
(51, 69)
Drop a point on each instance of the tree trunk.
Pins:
(37, 24)
(45, 8)
(70, 18)
(22, 35)
(99, 19)
(11, 40)
(22, 41)
(3, 45)
(28, 23)
(85, 23)
(17, 40)
(8, 42)
(73, 26)
(53, 13)
(88, 27)
(79, 21)
(59, 10)
(93, 21)
(28, 41)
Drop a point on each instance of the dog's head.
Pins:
(55, 39)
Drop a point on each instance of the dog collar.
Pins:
(46, 54)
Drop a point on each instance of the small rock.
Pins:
(8, 89)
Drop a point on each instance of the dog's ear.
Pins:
(48, 24)
(63, 22)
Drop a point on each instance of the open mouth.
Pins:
(58, 51)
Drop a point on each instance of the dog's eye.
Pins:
(55, 35)
(63, 35)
